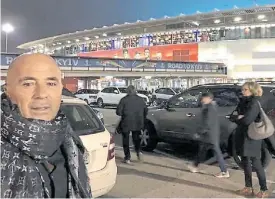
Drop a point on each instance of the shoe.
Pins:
(193, 169)
(127, 161)
(223, 175)
(247, 191)
(140, 157)
(262, 194)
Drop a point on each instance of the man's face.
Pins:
(147, 53)
(125, 54)
(36, 87)
(206, 100)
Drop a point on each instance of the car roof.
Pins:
(71, 100)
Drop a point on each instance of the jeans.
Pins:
(248, 162)
(203, 148)
(136, 140)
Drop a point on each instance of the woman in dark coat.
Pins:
(248, 111)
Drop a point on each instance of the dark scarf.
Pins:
(25, 143)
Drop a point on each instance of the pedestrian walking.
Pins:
(40, 155)
(133, 112)
(248, 111)
(209, 133)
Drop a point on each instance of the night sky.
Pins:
(35, 19)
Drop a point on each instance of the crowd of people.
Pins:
(47, 157)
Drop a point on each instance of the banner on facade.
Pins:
(75, 62)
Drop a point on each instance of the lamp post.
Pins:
(7, 28)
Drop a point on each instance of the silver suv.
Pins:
(176, 120)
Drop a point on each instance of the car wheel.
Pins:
(265, 156)
(86, 101)
(149, 138)
(100, 103)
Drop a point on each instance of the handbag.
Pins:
(261, 130)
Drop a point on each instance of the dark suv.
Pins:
(176, 121)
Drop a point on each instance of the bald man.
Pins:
(40, 155)
(34, 84)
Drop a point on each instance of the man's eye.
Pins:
(26, 84)
(52, 83)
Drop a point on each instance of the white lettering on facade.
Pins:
(9, 60)
(66, 62)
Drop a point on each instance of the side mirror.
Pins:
(116, 92)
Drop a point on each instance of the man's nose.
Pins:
(41, 91)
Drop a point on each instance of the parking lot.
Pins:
(164, 173)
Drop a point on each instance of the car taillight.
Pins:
(271, 113)
(111, 152)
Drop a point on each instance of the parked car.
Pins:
(68, 93)
(112, 95)
(88, 95)
(146, 93)
(100, 156)
(161, 95)
(176, 121)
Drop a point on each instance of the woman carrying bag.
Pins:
(249, 113)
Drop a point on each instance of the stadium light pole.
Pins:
(7, 28)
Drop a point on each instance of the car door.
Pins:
(182, 116)
(227, 99)
(104, 94)
(112, 95)
(117, 96)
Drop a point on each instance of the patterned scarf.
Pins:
(25, 143)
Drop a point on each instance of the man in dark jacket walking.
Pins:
(209, 132)
(133, 112)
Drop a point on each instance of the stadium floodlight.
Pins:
(7, 28)
(260, 17)
(237, 19)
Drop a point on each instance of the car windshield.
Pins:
(123, 90)
(82, 119)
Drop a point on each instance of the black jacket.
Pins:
(245, 146)
(133, 112)
(210, 125)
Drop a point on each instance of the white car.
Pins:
(88, 95)
(100, 156)
(162, 94)
(113, 95)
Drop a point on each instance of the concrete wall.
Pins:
(244, 58)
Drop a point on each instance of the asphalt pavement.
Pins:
(164, 172)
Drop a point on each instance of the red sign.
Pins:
(177, 52)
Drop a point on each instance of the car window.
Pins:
(188, 99)
(168, 91)
(106, 90)
(92, 91)
(82, 119)
(123, 90)
(225, 96)
(161, 91)
(80, 91)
